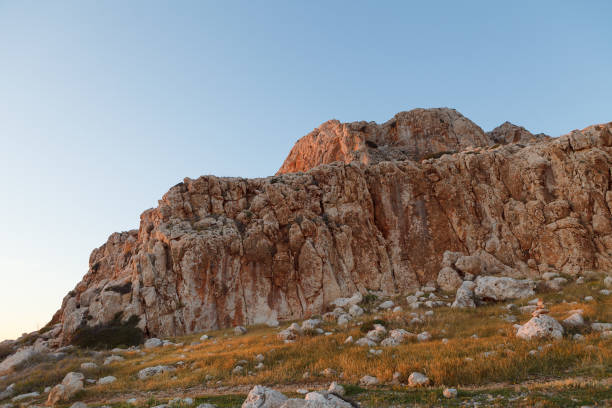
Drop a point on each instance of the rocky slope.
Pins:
(217, 252)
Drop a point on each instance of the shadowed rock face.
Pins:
(217, 252)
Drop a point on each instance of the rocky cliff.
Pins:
(218, 252)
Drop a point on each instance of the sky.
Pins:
(106, 105)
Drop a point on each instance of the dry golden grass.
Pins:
(460, 362)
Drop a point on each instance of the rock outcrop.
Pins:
(219, 252)
(408, 135)
(509, 133)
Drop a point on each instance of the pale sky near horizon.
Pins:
(105, 105)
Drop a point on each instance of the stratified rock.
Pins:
(540, 327)
(503, 288)
(263, 397)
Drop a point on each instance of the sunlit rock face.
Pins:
(218, 252)
(409, 135)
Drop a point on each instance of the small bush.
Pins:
(110, 335)
(368, 301)
(437, 155)
(369, 325)
(5, 351)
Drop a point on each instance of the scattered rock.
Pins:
(355, 311)
(368, 380)
(469, 264)
(449, 279)
(156, 370)
(112, 359)
(152, 343)
(503, 288)
(24, 397)
(386, 305)
(240, 330)
(450, 392)
(542, 326)
(21, 356)
(465, 296)
(263, 397)
(417, 379)
(107, 380)
(71, 384)
(89, 366)
(336, 388)
(424, 336)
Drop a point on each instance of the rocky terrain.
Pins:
(417, 229)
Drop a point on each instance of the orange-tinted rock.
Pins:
(221, 252)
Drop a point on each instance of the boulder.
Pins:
(355, 311)
(450, 392)
(469, 264)
(344, 302)
(264, 397)
(464, 297)
(152, 343)
(417, 379)
(240, 330)
(449, 279)
(449, 258)
(574, 320)
(107, 380)
(24, 397)
(21, 356)
(540, 327)
(70, 385)
(503, 288)
(367, 380)
(336, 388)
(155, 370)
(388, 304)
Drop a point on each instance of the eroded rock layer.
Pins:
(217, 252)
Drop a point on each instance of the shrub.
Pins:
(369, 325)
(5, 351)
(437, 155)
(109, 335)
(368, 301)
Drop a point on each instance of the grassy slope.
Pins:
(511, 372)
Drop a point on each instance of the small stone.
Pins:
(417, 379)
(240, 330)
(368, 380)
(152, 343)
(89, 366)
(424, 336)
(387, 304)
(450, 392)
(107, 380)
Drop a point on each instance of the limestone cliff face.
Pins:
(408, 136)
(223, 251)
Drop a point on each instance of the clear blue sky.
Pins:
(105, 105)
